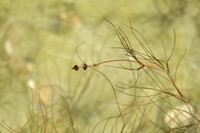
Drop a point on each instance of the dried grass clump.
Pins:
(159, 106)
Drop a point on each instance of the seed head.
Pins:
(75, 68)
(84, 66)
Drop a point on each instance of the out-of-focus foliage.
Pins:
(38, 42)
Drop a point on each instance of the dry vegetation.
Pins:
(127, 81)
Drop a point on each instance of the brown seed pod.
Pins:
(75, 68)
(84, 66)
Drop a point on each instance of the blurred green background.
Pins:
(38, 42)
